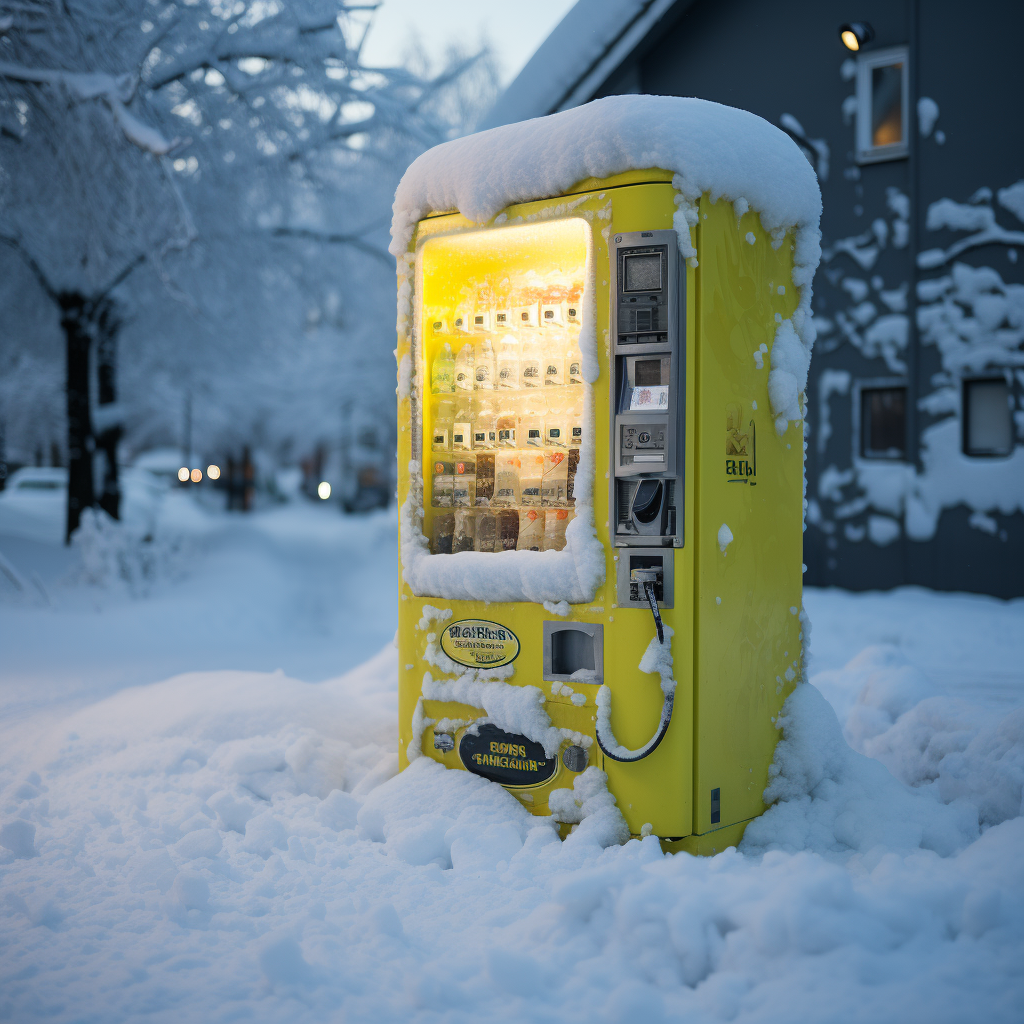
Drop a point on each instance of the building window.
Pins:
(987, 425)
(883, 423)
(883, 113)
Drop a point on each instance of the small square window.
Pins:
(883, 120)
(988, 429)
(883, 423)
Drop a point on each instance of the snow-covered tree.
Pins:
(207, 186)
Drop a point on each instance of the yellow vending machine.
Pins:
(601, 525)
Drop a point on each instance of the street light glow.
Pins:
(213, 472)
(183, 475)
(197, 475)
(324, 490)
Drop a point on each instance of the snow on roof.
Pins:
(710, 148)
(586, 45)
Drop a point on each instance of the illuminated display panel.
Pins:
(502, 401)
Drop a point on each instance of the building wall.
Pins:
(939, 518)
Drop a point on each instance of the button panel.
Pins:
(642, 442)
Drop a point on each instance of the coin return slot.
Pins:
(571, 648)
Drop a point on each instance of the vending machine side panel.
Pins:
(749, 518)
(656, 790)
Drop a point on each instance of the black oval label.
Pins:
(506, 758)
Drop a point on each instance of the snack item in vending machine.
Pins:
(484, 479)
(507, 419)
(531, 475)
(531, 530)
(442, 484)
(506, 478)
(443, 532)
(572, 463)
(464, 536)
(486, 532)
(464, 483)
(555, 522)
(508, 530)
(555, 484)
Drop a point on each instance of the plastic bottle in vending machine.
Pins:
(485, 423)
(556, 421)
(552, 318)
(508, 360)
(442, 372)
(485, 366)
(462, 425)
(573, 325)
(532, 410)
(465, 367)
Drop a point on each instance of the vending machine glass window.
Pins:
(502, 400)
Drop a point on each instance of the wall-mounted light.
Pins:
(324, 490)
(183, 475)
(197, 475)
(213, 472)
(856, 34)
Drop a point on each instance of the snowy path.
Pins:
(229, 843)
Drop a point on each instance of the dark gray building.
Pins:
(915, 413)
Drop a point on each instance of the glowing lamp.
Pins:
(197, 475)
(856, 34)
(213, 472)
(183, 475)
(324, 490)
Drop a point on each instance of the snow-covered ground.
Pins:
(199, 817)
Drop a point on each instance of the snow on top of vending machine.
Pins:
(711, 148)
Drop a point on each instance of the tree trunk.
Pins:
(108, 420)
(78, 335)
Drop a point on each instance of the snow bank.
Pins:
(832, 800)
(236, 846)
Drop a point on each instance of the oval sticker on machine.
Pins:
(478, 643)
